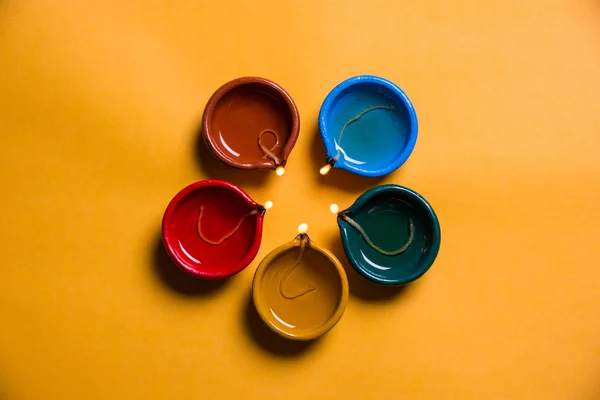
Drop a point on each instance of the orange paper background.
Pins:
(100, 106)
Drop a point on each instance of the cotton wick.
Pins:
(309, 288)
(334, 208)
(405, 246)
(268, 153)
(353, 120)
(230, 234)
(268, 205)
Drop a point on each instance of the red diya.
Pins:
(212, 229)
(251, 123)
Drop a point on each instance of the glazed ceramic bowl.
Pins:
(251, 123)
(212, 229)
(300, 293)
(368, 125)
(391, 218)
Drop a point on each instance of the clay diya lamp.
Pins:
(212, 229)
(251, 123)
(300, 289)
(368, 125)
(391, 235)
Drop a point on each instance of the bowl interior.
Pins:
(238, 117)
(222, 211)
(299, 302)
(379, 137)
(386, 219)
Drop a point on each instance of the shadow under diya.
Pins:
(251, 123)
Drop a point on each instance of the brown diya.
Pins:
(251, 123)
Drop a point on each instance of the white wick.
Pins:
(302, 228)
(268, 205)
(280, 171)
(334, 208)
(325, 170)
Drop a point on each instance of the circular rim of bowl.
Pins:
(425, 265)
(414, 124)
(234, 84)
(168, 235)
(308, 334)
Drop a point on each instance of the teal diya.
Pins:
(391, 234)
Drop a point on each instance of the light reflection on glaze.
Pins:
(229, 149)
(346, 157)
(376, 209)
(280, 320)
(372, 264)
(188, 254)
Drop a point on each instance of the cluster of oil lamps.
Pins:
(212, 229)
